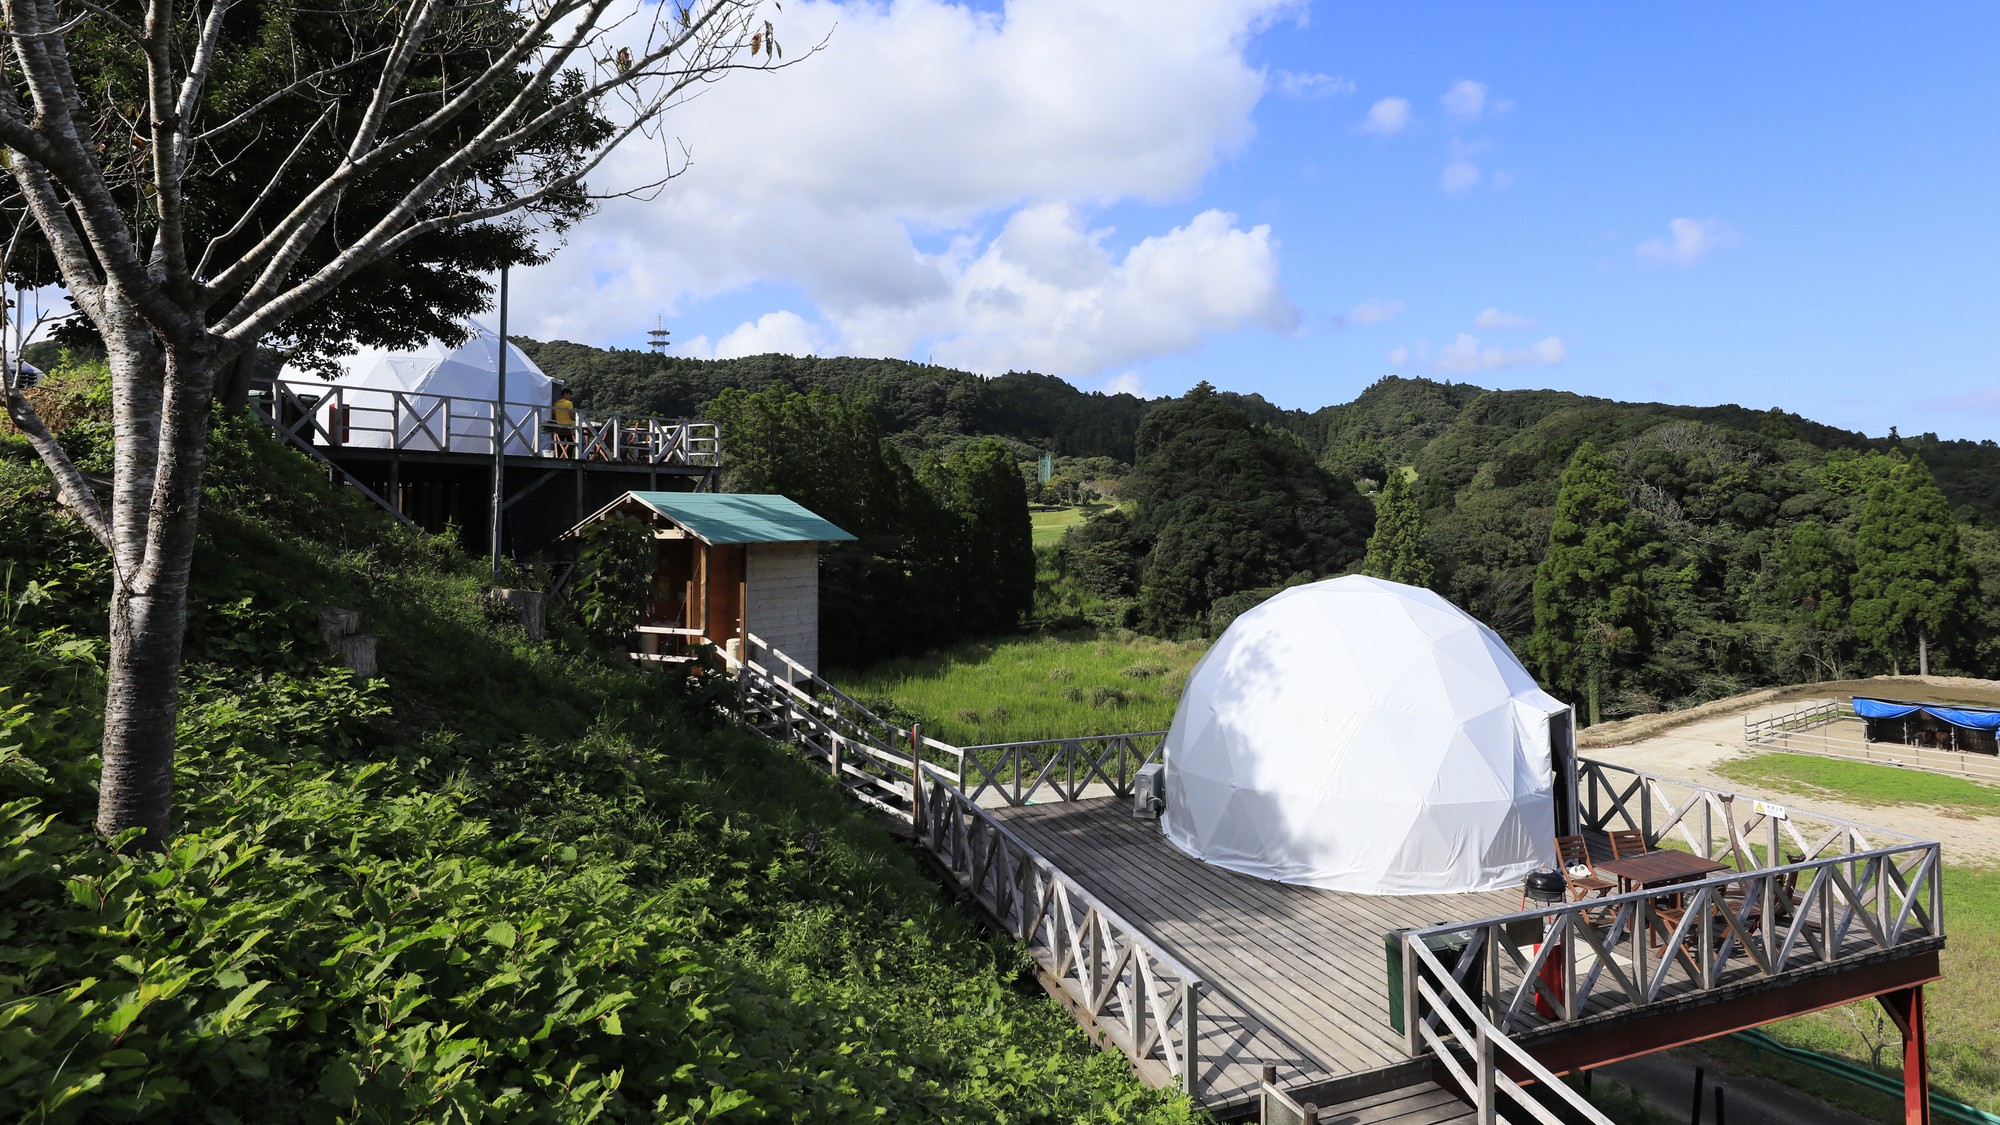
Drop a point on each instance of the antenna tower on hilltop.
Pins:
(659, 333)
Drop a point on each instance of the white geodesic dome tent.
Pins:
(1365, 736)
(446, 399)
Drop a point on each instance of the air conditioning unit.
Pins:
(1149, 792)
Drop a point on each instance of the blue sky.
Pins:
(1781, 204)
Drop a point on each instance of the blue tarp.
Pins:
(1956, 716)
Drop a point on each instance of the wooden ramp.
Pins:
(1297, 976)
(1425, 1104)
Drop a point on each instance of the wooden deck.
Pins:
(1293, 976)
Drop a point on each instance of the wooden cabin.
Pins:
(728, 565)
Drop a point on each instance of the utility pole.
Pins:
(500, 429)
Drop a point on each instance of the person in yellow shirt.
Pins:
(562, 424)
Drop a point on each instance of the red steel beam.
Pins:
(1906, 1007)
(1600, 1044)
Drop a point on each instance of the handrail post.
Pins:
(916, 778)
(1190, 1027)
(1488, 1108)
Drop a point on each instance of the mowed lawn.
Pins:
(1048, 524)
(1039, 687)
(1862, 783)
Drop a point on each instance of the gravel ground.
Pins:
(1691, 747)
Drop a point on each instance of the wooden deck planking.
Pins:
(1293, 976)
(1424, 1104)
(1306, 963)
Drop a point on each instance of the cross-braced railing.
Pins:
(1478, 1056)
(340, 416)
(1772, 913)
(1058, 769)
(868, 754)
(1145, 1001)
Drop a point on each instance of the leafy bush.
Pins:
(507, 882)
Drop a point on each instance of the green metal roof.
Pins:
(734, 517)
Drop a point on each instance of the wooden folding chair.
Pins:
(1573, 855)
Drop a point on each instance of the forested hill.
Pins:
(906, 398)
(1454, 432)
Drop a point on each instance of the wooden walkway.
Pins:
(1298, 975)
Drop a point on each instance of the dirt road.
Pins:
(1693, 749)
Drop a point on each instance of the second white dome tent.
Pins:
(1362, 735)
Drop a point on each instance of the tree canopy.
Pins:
(1590, 607)
(1910, 589)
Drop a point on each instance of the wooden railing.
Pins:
(1832, 731)
(1145, 1001)
(337, 416)
(1057, 769)
(1772, 727)
(873, 757)
(1478, 1056)
(1806, 891)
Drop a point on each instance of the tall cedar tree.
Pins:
(1226, 505)
(888, 591)
(1589, 608)
(980, 485)
(1909, 587)
(1396, 550)
(1812, 595)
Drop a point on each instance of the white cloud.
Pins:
(1466, 100)
(925, 123)
(1459, 177)
(1688, 241)
(784, 332)
(1497, 320)
(1127, 383)
(1387, 117)
(1399, 357)
(1375, 310)
(1314, 85)
(1049, 295)
(1468, 354)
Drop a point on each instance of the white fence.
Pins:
(1832, 731)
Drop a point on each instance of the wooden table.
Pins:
(1660, 868)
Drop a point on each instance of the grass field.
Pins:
(1963, 1014)
(1049, 524)
(1043, 687)
(1862, 783)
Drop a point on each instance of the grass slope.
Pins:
(511, 882)
(1044, 687)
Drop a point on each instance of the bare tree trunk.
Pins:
(1923, 652)
(235, 394)
(157, 487)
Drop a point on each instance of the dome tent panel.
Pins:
(1366, 736)
(446, 398)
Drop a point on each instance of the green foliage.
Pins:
(614, 577)
(506, 882)
(1909, 585)
(1396, 549)
(1589, 608)
(1048, 687)
(1221, 505)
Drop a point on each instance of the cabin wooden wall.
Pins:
(782, 585)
